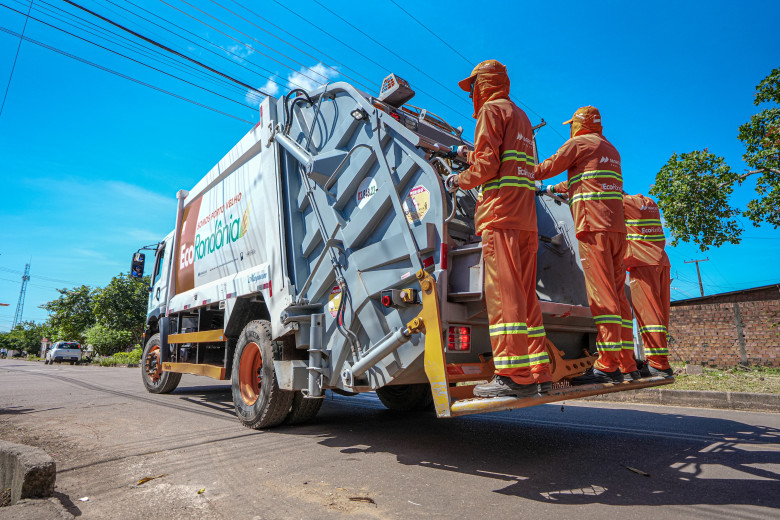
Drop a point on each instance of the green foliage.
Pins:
(121, 305)
(106, 340)
(123, 358)
(693, 188)
(27, 336)
(71, 314)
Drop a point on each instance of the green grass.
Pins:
(758, 380)
(121, 358)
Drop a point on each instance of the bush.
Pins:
(122, 358)
(107, 341)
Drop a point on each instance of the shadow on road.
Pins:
(587, 455)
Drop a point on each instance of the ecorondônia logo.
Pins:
(229, 231)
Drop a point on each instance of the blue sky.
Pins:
(91, 161)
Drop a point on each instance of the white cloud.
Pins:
(240, 51)
(310, 78)
(270, 87)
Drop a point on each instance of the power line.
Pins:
(470, 62)
(150, 53)
(16, 57)
(124, 76)
(332, 59)
(166, 48)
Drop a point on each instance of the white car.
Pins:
(63, 351)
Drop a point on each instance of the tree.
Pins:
(71, 314)
(693, 189)
(121, 306)
(27, 336)
(107, 341)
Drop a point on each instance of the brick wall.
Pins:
(704, 331)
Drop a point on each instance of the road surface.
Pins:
(357, 460)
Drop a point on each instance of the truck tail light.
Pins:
(459, 339)
(387, 300)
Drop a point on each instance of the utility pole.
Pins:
(698, 272)
(20, 305)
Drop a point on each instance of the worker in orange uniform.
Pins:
(502, 164)
(649, 267)
(595, 190)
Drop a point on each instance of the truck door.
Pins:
(160, 274)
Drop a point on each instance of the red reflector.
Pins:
(443, 256)
(386, 300)
(395, 116)
(428, 262)
(458, 339)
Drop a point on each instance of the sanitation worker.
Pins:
(649, 267)
(595, 190)
(502, 164)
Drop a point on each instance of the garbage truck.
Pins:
(323, 252)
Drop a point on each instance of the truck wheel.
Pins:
(406, 398)
(258, 400)
(303, 410)
(155, 380)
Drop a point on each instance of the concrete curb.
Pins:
(697, 399)
(28, 472)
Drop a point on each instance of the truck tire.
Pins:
(258, 400)
(155, 380)
(303, 410)
(406, 398)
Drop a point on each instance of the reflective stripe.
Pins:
(643, 222)
(628, 345)
(516, 155)
(652, 328)
(539, 359)
(512, 361)
(501, 329)
(608, 318)
(536, 332)
(595, 174)
(629, 324)
(609, 346)
(509, 181)
(648, 238)
(597, 195)
(657, 351)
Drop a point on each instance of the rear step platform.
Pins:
(494, 404)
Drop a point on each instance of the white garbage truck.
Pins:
(323, 252)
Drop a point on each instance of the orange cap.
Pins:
(486, 67)
(585, 115)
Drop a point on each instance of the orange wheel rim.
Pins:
(153, 365)
(250, 378)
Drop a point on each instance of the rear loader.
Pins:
(324, 253)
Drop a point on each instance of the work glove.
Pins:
(550, 190)
(451, 183)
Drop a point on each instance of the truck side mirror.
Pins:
(137, 265)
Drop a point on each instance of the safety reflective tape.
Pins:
(628, 345)
(657, 351)
(539, 359)
(595, 174)
(647, 238)
(536, 332)
(629, 324)
(516, 155)
(652, 328)
(608, 318)
(511, 361)
(609, 346)
(501, 329)
(508, 181)
(598, 195)
(643, 222)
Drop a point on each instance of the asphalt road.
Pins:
(358, 460)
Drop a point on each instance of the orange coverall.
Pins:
(649, 267)
(594, 186)
(502, 163)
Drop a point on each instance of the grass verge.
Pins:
(757, 380)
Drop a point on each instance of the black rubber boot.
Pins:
(634, 376)
(544, 388)
(656, 372)
(503, 386)
(593, 376)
